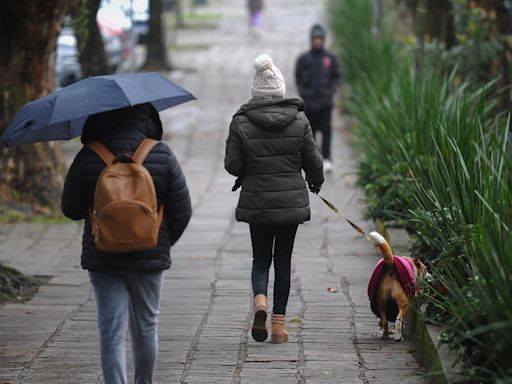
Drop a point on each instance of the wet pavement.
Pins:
(205, 316)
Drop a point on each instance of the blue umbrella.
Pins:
(61, 115)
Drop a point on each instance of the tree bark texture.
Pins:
(180, 18)
(502, 26)
(156, 58)
(377, 14)
(91, 48)
(439, 22)
(28, 40)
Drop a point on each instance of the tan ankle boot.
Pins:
(279, 331)
(259, 329)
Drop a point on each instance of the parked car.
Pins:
(140, 17)
(135, 11)
(114, 27)
(67, 65)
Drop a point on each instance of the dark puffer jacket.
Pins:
(255, 5)
(317, 75)
(270, 142)
(122, 131)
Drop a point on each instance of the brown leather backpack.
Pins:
(125, 216)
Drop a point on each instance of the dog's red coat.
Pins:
(405, 271)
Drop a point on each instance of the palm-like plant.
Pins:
(434, 160)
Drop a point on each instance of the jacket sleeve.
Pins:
(234, 160)
(74, 203)
(312, 162)
(177, 204)
(302, 78)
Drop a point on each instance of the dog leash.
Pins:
(338, 212)
(238, 184)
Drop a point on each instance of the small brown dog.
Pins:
(392, 284)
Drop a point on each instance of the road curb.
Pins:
(439, 361)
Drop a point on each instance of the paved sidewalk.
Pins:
(205, 317)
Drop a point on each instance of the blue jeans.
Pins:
(272, 242)
(122, 298)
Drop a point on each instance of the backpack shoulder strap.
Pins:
(102, 151)
(143, 150)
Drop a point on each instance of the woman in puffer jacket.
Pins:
(270, 143)
(127, 286)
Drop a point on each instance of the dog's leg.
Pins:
(403, 304)
(384, 325)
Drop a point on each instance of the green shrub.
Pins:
(433, 159)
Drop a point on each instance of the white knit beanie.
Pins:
(268, 79)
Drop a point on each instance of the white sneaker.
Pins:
(327, 165)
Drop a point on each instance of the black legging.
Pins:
(272, 241)
(321, 122)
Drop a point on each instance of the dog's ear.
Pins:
(422, 268)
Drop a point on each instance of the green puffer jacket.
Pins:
(270, 142)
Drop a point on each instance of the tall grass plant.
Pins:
(434, 161)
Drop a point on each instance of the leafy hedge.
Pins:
(434, 160)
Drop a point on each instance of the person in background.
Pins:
(270, 143)
(255, 16)
(317, 75)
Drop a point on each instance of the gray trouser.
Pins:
(122, 298)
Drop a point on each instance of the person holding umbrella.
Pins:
(127, 286)
(117, 118)
(270, 142)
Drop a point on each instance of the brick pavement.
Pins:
(205, 315)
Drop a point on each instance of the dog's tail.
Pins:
(383, 246)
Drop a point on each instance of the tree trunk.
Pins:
(157, 48)
(28, 38)
(180, 19)
(502, 26)
(92, 56)
(419, 34)
(439, 22)
(377, 11)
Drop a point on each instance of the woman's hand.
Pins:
(314, 188)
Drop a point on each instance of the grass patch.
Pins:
(196, 20)
(201, 17)
(189, 47)
(16, 287)
(13, 212)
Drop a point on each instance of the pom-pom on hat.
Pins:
(268, 79)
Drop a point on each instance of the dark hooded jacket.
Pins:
(317, 74)
(270, 142)
(255, 5)
(122, 131)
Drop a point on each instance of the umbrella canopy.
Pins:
(61, 115)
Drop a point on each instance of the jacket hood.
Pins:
(271, 113)
(140, 120)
